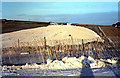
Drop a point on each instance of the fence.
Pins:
(39, 50)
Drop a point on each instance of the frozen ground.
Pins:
(55, 69)
(105, 71)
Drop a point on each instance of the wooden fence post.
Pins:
(96, 48)
(44, 47)
(51, 51)
(57, 51)
(68, 50)
(79, 50)
(92, 50)
(61, 53)
(83, 48)
(75, 49)
(88, 49)
(72, 46)
(72, 40)
(18, 48)
(54, 49)
(86, 52)
(18, 43)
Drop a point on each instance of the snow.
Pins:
(112, 61)
(67, 63)
(106, 71)
(54, 32)
(68, 66)
(91, 59)
(49, 61)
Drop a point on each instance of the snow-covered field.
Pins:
(71, 66)
(53, 32)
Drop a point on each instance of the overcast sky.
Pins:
(105, 13)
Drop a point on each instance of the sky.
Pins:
(102, 13)
(60, 0)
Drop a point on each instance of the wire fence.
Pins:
(39, 50)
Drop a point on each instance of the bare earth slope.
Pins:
(51, 32)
